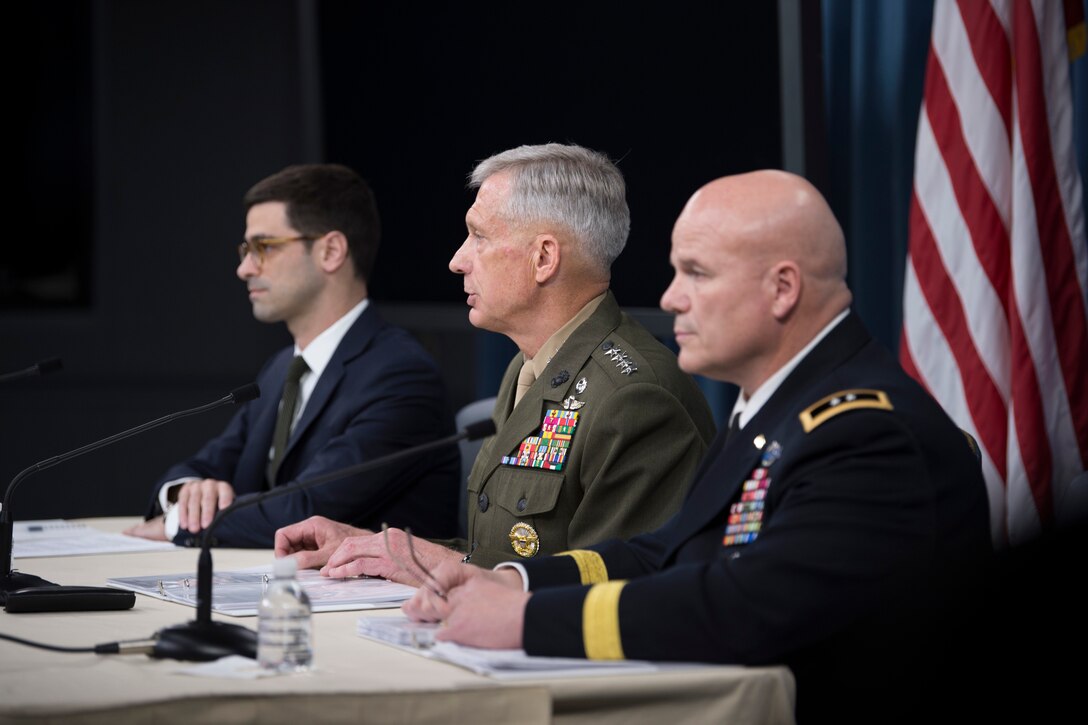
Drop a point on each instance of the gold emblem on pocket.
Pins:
(524, 539)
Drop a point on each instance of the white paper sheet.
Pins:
(57, 537)
(501, 664)
(237, 593)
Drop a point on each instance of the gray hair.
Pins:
(570, 185)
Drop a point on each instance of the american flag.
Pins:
(995, 305)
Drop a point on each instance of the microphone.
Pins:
(66, 598)
(204, 640)
(44, 367)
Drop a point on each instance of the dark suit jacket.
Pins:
(872, 519)
(639, 438)
(380, 393)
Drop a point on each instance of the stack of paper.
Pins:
(398, 630)
(503, 664)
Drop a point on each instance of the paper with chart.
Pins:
(237, 593)
(57, 537)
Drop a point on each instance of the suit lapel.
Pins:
(265, 423)
(522, 421)
(250, 473)
(355, 342)
(716, 486)
(719, 479)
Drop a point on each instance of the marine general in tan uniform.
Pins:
(598, 430)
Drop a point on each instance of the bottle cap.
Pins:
(285, 567)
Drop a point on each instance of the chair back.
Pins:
(472, 413)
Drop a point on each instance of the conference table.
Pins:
(355, 679)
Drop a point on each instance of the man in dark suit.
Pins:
(839, 525)
(598, 430)
(352, 388)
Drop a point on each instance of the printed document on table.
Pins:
(57, 537)
(237, 593)
(501, 664)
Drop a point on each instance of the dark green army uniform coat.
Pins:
(641, 428)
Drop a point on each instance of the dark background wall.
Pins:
(142, 125)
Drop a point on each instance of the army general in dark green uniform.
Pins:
(598, 430)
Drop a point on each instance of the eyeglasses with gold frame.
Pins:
(259, 245)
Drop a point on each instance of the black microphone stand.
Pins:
(12, 580)
(204, 639)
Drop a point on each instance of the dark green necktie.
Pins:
(287, 413)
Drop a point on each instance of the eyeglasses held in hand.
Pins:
(428, 579)
(259, 245)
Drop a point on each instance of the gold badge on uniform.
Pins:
(524, 539)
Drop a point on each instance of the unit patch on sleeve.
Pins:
(548, 449)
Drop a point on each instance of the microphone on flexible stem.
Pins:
(46, 595)
(49, 365)
(203, 639)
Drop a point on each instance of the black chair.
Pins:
(472, 413)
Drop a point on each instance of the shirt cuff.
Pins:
(169, 508)
(170, 521)
(520, 569)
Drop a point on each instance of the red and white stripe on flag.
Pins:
(995, 310)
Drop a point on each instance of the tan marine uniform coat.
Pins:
(642, 427)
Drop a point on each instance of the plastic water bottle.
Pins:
(284, 641)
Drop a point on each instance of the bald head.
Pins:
(773, 215)
(761, 258)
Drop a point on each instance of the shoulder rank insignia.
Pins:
(827, 408)
(616, 354)
(548, 449)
